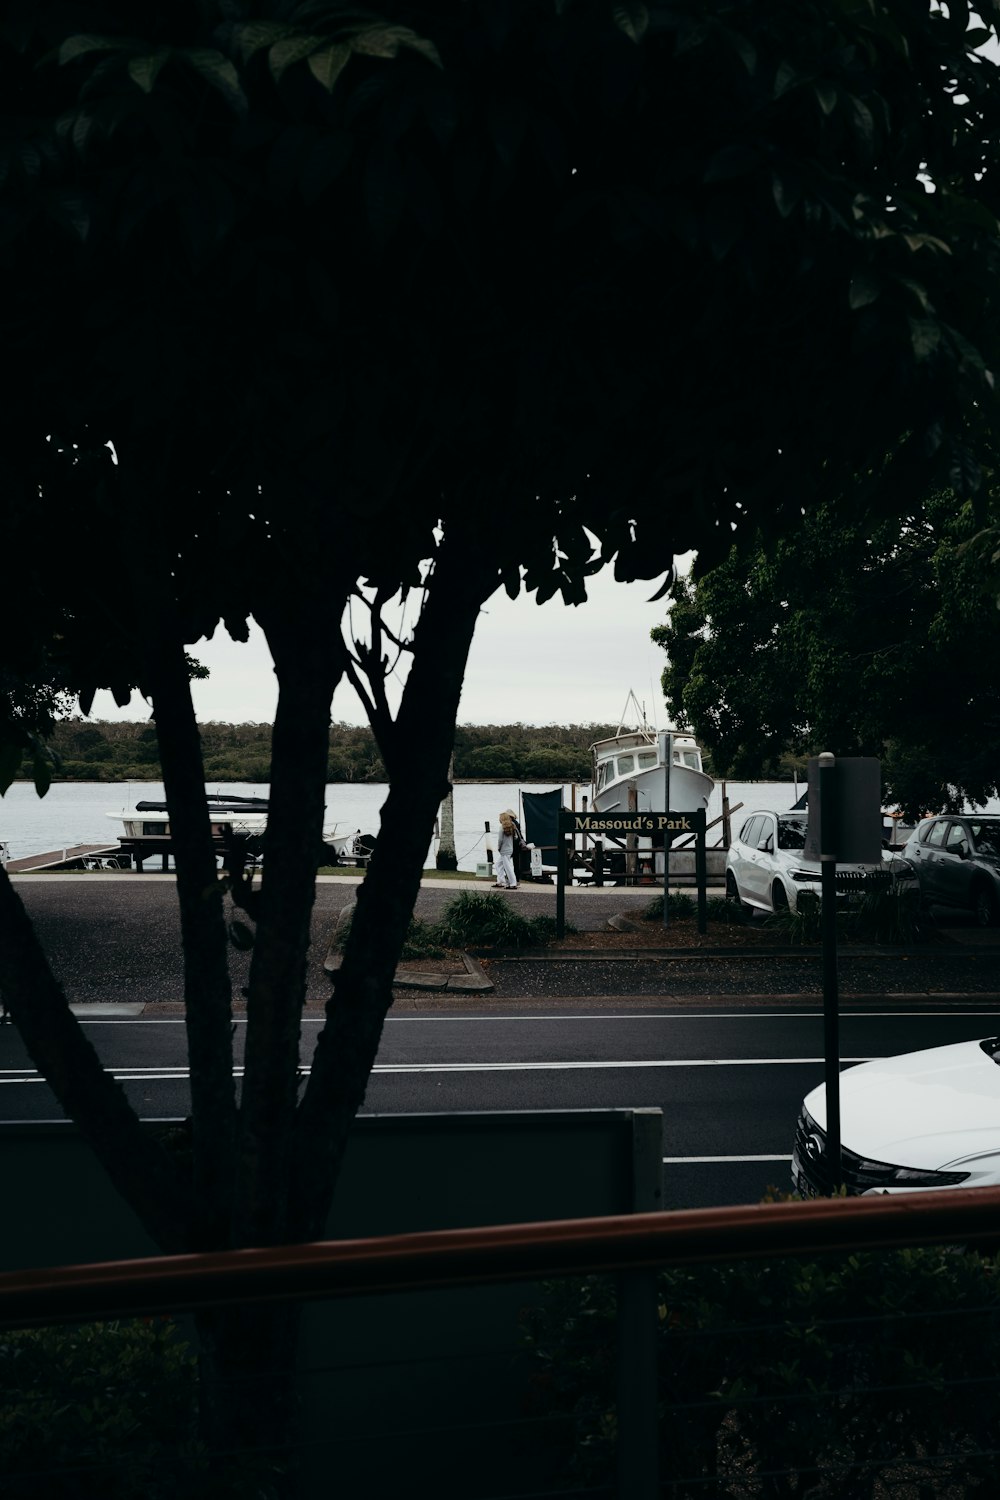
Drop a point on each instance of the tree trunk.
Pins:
(248, 1355)
(248, 1396)
(207, 986)
(423, 738)
(309, 658)
(447, 859)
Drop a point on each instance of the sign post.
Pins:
(668, 757)
(844, 824)
(629, 824)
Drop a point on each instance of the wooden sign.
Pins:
(632, 822)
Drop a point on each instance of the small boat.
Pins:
(629, 770)
(147, 827)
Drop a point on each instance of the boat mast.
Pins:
(641, 723)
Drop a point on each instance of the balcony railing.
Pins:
(634, 1247)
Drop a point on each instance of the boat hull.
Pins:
(690, 791)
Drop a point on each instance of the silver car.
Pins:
(957, 862)
(767, 870)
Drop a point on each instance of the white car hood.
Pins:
(922, 1109)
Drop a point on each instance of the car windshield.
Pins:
(791, 833)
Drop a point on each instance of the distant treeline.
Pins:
(98, 751)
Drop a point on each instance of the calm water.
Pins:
(87, 812)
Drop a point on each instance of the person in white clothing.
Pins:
(507, 845)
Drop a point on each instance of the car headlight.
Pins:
(878, 1174)
(811, 875)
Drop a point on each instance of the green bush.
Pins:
(422, 941)
(802, 926)
(835, 1379)
(684, 908)
(880, 914)
(103, 1410)
(887, 915)
(679, 906)
(488, 919)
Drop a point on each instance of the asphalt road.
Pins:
(705, 1040)
(729, 1082)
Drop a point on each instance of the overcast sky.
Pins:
(529, 664)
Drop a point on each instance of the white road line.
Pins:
(151, 1075)
(682, 1161)
(685, 1015)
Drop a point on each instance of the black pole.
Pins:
(828, 814)
(668, 743)
(560, 884)
(701, 872)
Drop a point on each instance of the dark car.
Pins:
(957, 861)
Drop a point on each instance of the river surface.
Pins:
(89, 812)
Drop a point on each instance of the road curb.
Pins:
(473, 982)
(616, 955)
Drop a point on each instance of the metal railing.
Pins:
(635, 1247)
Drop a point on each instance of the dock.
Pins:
(77, 857)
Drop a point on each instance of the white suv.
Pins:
(766, 867)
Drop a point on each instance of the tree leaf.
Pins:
(385, 41)
(925, 337)
(73, 208)
(43, 762)
(11, 755)
(219, 72)
(284, 54)
(256, 35)
(84, 43)
(632, 17)
(918, 241)
(145, 70)
(327, 66)
(866, 288)
(785, 78)
(827, 95)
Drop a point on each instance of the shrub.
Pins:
(828, 1377)
(488, 919)
(422, 941)
(684, 908)
(103, 1410)
(679, 906)
(882, 914)
(731, 913)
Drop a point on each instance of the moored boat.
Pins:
(147, 827)
(631, 769)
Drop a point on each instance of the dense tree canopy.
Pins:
(858, 638)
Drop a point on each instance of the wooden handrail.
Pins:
(508, 1252)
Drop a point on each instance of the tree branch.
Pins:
(137, 1164)
(424, 733)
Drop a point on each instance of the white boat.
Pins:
(148, 823)
(629, 770)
